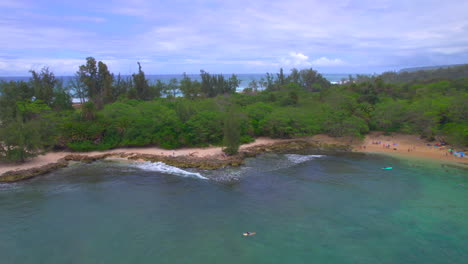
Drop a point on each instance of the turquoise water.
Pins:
(304, 208)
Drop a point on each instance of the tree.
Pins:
(231, 131)
(253, 85)
(141, 84)
(172, 87)
(10, 93)
(233, 84)
(29, 133)
(159, 88)
(88, 111)
(190, 89)
(213, 85)
(206, 84)
(281, 80)
(205, 127)
(98, 82)
(89, 77)
(294, 97)
(105, 80)
(62, 98)
(78, 88)
(294, 76)
(312, 81)
(122, 86)
(43, 84)
(269, 82)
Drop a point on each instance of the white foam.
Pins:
(296, 158)
(164, 168)
(8, 186)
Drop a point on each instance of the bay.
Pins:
(336, 208)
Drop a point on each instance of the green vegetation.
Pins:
(424, 74)
(116, 112)
(232, 131)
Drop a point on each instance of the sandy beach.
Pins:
(403, 145)
(406, 145)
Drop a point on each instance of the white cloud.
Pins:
(296, 59)
(324, 61)
(20, 66)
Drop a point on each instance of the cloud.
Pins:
(324, 61)
(60, 66)
(296, 59)
(256, 36)
(19, 66)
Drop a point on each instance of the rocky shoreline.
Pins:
(186, 161)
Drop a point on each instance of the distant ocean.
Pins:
(244, 78)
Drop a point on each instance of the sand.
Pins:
(406, 145)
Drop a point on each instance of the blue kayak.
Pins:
(387, 168)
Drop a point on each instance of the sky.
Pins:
(254, 36)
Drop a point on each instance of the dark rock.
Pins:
(20, 175)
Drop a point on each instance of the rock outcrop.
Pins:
(20, 175)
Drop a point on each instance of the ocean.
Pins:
(304, 207)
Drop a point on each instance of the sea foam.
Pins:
(296, 158)
(167, 169)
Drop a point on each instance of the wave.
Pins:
(9, 186)
(296, 158)
(167, 169)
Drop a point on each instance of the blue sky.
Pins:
(341, 36)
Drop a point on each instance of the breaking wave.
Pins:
(296, 158)
(164, 168)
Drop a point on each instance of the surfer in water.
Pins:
(249, 234)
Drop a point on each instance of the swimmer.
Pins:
(249, 234)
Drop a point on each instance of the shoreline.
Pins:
(202, 158)
(213, 157)
(53, 157)
(402, 146)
